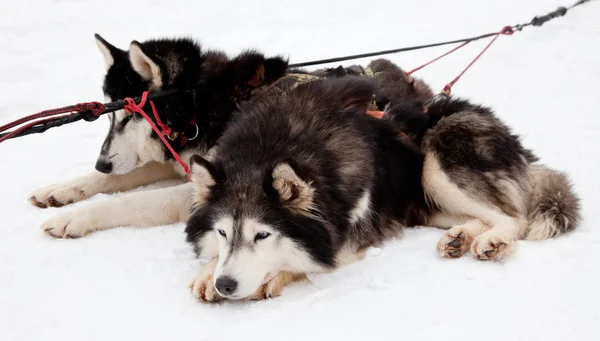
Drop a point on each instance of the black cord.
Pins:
(120, 104)
(536, 21)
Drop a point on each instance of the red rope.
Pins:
(438, 58)
(95, 107)
(131, 106)
(507, 30)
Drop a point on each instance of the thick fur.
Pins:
(132, 154)
(309, 169)
(481, 182)
(391, 83)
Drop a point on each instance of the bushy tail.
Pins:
(554, 207)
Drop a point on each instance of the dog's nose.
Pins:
(104, 167)
(226, 285)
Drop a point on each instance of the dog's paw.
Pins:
(268, 290)
(453, 245)
(71, 224)
(275, 285)
(491, 246)
(57, 195)
(203, 288)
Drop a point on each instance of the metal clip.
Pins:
(173, 136)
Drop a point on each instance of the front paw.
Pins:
(57, 196)
(203, 288)
(71, 224)
(274, 287)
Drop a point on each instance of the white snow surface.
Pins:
(131, 283)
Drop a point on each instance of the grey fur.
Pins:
(552, 201)
(481, 156)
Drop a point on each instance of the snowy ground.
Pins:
(127, 284)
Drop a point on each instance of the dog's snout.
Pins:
(104, 166)
(226, 285)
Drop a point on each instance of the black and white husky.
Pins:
(306, 182)
(302, 182)
(132, 154)
(212, 85)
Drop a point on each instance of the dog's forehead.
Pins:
(242, 224)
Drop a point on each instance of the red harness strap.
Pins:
(506, 30)
(131, 106)
(375, 113)
(436, 59)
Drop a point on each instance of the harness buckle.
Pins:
(173, 136)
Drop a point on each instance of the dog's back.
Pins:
(311, 165)
(482, 182)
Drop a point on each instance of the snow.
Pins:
(128, 283)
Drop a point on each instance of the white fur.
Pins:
(453, 201)
(361, 209)
(133, 147)
(144, 66)
(543, 229)
(109, 60)
(252, 263)
(349, 254)
(86, 186)
(146, 208)
(203, 285)
(286, 182)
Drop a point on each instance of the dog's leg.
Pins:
(499, 241)
(68, 192)
(203, 286)
(492, 231)
(459, 237)
(147, 208)
(274, 287)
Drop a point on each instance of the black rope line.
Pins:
(119, 104)
(536, 21)
(86, 115)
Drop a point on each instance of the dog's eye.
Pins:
(261, 235)
(221, 232)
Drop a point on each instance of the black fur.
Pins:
(335, 147)
(212, 85)
(480, 154)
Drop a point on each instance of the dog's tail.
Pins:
(554, 207)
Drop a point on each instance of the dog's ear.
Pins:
(294, 192)
(275, 68)
(203, 177)
(251, 70)
(108, 51)
(145, 65)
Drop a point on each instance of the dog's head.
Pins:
(262, 206)
(259, 227)
(210, 84)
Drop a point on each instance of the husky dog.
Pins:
(303, 182)
(480, 182)
(310, 190)
(132, 154)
